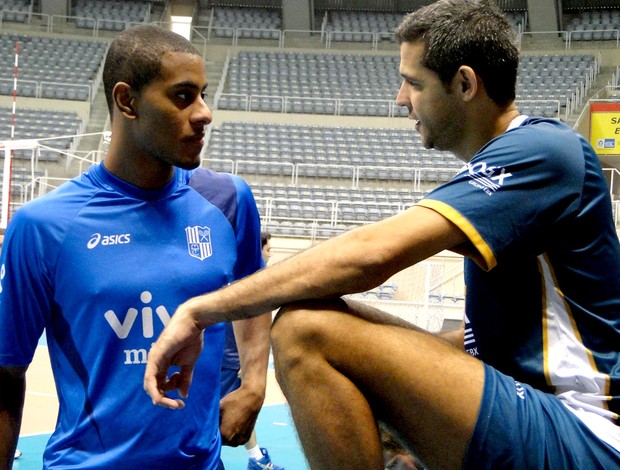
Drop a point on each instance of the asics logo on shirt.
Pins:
(489, 178)
(97, 239)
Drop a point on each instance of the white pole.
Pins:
(8, 152)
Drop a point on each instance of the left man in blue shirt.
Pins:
(101, 264)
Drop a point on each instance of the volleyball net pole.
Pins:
(8, 151)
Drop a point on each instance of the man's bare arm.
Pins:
(352, 262)
(240, 408)
(12, 392)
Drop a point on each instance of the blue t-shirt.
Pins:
(543, 272)
(101, 265)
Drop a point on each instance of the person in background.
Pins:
(532, 379)
(258, 457)
(102, 262)
(265, 241)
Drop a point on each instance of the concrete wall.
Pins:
(82, 108)
(544, 15)
(298, 14)
(56, 7)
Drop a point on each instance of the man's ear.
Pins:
(466, 82)
(125, 100)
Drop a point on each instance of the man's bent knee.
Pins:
(303, 321)
(301, 329)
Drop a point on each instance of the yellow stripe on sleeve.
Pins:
(483, 255)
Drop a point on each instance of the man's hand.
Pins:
(238, 413)
(179, 345)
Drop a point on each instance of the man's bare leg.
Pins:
(342, 370)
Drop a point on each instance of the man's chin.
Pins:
(189, 164)
(426, 144)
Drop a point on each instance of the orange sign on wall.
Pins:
(605, 128)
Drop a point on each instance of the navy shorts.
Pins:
(229, 381)
(520, 428)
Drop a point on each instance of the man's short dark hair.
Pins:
(134, 57)
(467, 32)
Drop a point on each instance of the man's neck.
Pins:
(143, 172)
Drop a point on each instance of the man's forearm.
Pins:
(12, 392)
(352, 262)
(252, 337)
(282, 283)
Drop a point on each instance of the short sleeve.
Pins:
(25, 288)
(248, 229)
(497, 199)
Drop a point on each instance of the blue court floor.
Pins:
(274, 430)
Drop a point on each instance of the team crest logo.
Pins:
(199, 242)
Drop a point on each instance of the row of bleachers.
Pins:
(24, 182)
(320, 75)
(554, 70)
(366, 84)
(15, 10)
(336, 26)
(342, 23)
(22, 174)
(288, 227)
(398, 195)
(594, 25)
(350, 84)
(554, 77)
(417, 176)
(301, 229)
(554, 58)
(333, 32)
(326, 211)
(595, 17)
(530, 64)
(56, 68)
(359, 25)
(55, 129)
(110, 15)
(320, 211)
(256, 23)
(540, 107)
(14, 4)
(22, 178)
(299, 151)
(315, 144)
(310, 105)
(382, 108)
(353, 175)
(349, 26)
(394, 196)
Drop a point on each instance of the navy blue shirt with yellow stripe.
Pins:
(542, 270)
